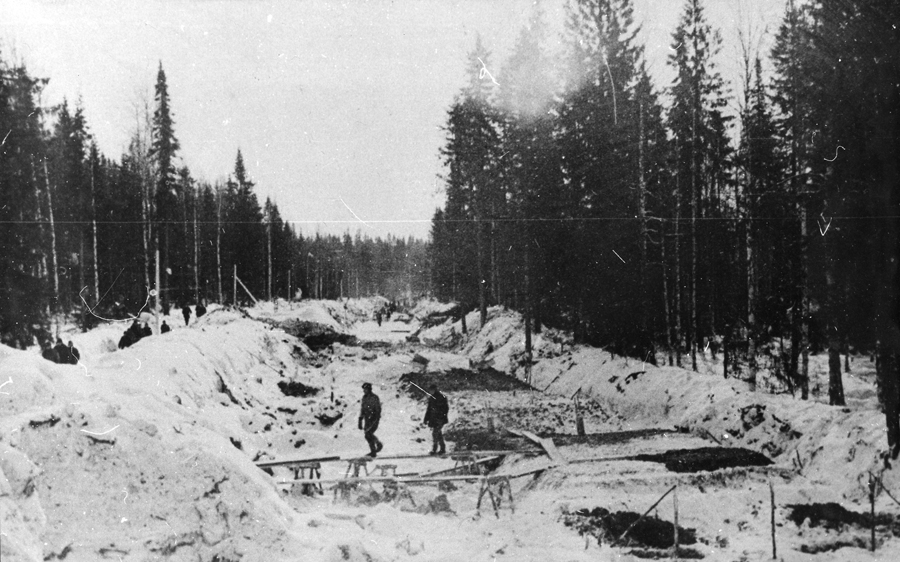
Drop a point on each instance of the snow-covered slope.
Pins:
(835, 446)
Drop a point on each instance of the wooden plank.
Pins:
(546, 444)
(452, 455)
(376, 479)
(458, 468)
(267, 464)
(418, 479)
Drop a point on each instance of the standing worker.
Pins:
(186, 312)
(73, 356)
(436, 419)
(369, 416)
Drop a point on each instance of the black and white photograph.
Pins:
(449, 280)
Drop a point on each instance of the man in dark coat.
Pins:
(164, 328)
(73, 356)
(200, 309)
(369, 416)
(186, 312)
(135, 332)
(436, 419)
(62, 352)
(49, 353)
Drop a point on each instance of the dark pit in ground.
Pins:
(833, 516)
(706, 458)
(649, 532)
(316, 336)
(294, 388)
(462, 379)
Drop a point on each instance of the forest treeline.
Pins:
(80, 232)
(576, 195)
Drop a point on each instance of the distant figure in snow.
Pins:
(146, 330)
(164, 328)
(62, 351)
(49, 353)
(200, 309)
(378, 317)
(131, 335)
(369, 416)
(186, 312)
(72, 354)
(436, 419)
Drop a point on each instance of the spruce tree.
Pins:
(699, 127)
(163, 150)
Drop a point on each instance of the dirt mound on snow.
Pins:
(706, 458)
(455, 380)
(607, 527)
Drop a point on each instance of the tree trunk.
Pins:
(269, 254)
(887, 373)
(219, 246)
(94, 240)
(804, 307)
(835, 384)
(677, 289)
(39, 215)
(528, 305)
(751, 299)
(482, 285)
(642, 214)
(694, 209)
(665, 280)
(53, 255)
(196, 251)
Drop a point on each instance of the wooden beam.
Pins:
(458, 468)
(546, 444)
(413, 479)
(288, 463)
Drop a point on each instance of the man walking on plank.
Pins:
(369, 416)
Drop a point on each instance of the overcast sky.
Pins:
(336, 105)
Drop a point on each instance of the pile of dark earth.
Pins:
(706, 459)
(654, 535)
(455, 380)
(834, 517)
(316, 336)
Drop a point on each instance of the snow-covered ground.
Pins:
(148, 453)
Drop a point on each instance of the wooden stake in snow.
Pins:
(675, 526)
(579, 419)
(872, 484)
(772, 519)
(638, 520)
(158, 296)
(238, 279)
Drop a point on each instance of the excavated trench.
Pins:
(456, 380)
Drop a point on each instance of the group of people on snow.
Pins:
(136, 331)
(435, 417)
(61, 353)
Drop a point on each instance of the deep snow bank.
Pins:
(148, 452)
(836, 447)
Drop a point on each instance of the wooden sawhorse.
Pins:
(353, 466)
(308, 471)
(494, 487)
